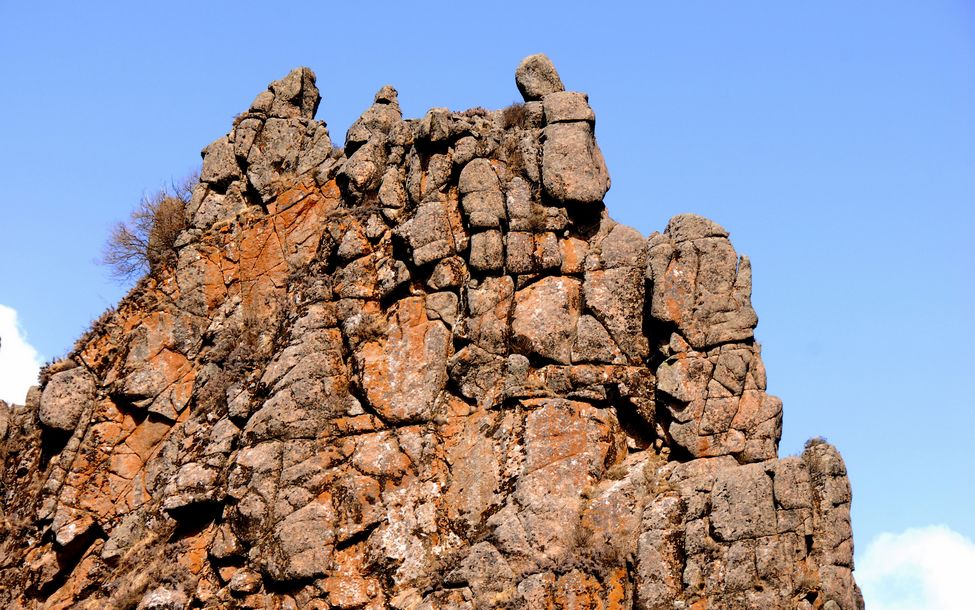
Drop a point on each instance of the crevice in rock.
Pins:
(358, 537)
(53, 442)
(192, 519)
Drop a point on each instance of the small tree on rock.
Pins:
(146, 242)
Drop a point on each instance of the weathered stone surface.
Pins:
(487, 322)
(700, 284)
(741, 504)
(221, 164)
(273, 143)
(593, 343)
(567, 106)
(487, 251)
(545, 318)
(481, 196)
(295, 95)
(403, 376)
(429, 233)
(719, 404)
(163, 599)
(416, 373)
(536, 77)
(478, 175)
(66, 396)
(484, 209)
(573, 168)
(614, 289)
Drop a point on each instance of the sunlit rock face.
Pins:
(423, 370)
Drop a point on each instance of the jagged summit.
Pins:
(424, 370)
(294, 96)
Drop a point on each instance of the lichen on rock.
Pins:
(425, 370)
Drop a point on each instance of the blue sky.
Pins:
(835, 140)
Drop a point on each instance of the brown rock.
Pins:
(536, 77)
(567, 106)
(416, 373)
(572, 165)
(615, 296)
(295, 95)
(429, 234)
(545, 318)
(487, 251)
(65, 397)
(489, 310)
(404, 374)
(699, 283)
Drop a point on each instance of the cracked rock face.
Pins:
(423, 371)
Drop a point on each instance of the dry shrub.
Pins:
(477, 111)
(98, 326)
(146, 242)
(538, 218)
(159, 569)
(514, 157)
(514, 116)
(617, 472)
(591, 553)
(818, 440)
(211, 395)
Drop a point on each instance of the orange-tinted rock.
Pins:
(404, 372)
(416, 373)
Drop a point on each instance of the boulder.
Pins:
(536, 77)
(65, 397)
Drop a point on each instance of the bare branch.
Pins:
(146, 242)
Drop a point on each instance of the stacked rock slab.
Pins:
(425, 370)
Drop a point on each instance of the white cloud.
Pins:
(924, 568)
(19, 361)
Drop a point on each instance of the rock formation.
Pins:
(425, 370)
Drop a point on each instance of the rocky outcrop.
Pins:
(425, 370)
